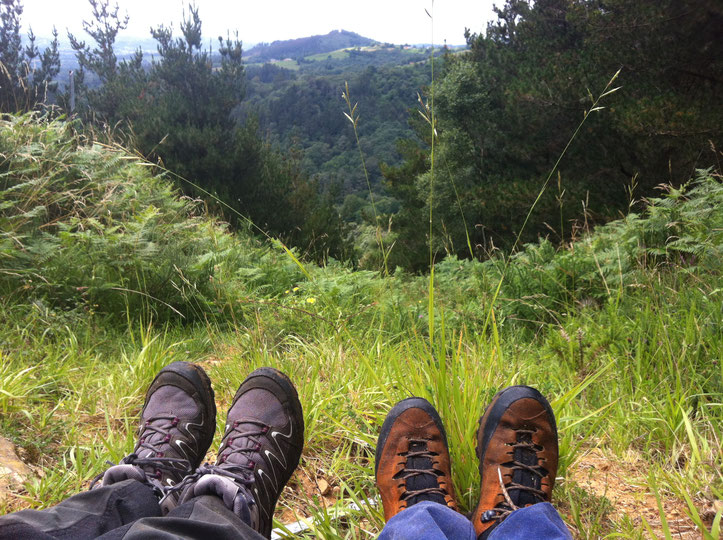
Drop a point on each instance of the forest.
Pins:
(504, 111)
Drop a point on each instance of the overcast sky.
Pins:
(395, 21)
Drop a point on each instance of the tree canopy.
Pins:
(507, 110)
(182, 111)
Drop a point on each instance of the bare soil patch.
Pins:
(623, 481)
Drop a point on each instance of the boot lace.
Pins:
(239, 432)
(241, 473)
(156, 460)
(502, 510)
(406, 473)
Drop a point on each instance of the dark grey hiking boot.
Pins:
(177, 426)
(260, 450)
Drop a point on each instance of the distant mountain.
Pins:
(301, 47)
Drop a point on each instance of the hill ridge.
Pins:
(305, 46)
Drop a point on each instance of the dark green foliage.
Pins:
(103, 85)
(183, 113)
(683, 229)
(349, 61)
(103, 28)
(400, 182)
(26, 75)
(84, 226)
(303, 109)
(306, 112)
(679, 233)
(269, 73)
(507, 110)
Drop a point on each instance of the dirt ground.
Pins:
(623, 482)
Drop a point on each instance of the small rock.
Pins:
(13, 472)
(323, 485)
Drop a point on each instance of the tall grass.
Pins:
(353, 117)
(621, 331)
(429, 115)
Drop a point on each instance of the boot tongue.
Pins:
(422, 481)
(165, 402)
(526, 456)
(260, 408)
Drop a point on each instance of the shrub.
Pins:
(88, 225)
(684, 228)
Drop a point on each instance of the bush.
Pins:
(86, 225)
(684, 228)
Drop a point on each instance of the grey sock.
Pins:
(237, 498)
(118, 473)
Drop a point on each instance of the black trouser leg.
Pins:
(202, 518)
(126, 510)
(85, 515)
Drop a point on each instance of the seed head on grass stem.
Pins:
(427, 113)
(593, 108)
(353, 117)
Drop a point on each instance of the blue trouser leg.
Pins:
(537, 522)
(432, 521)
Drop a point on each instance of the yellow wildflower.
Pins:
(311, 300)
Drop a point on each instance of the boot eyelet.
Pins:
(488, 516)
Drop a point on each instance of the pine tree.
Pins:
(26, 74)
(103, 96)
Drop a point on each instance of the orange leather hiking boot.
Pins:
(517, 451)
(412, 458)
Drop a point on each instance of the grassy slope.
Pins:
(339, 54)
(622, 331)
